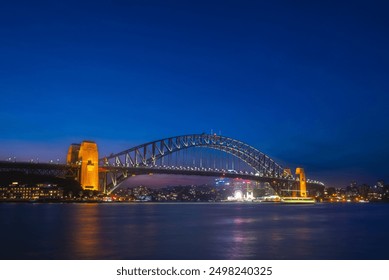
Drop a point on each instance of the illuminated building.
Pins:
(24, 192)
(249, 194)
(221, 182)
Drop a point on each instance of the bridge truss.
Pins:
(186, 155)
(43, 169)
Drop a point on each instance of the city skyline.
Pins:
(305, 83)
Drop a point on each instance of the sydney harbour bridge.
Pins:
(194, 154)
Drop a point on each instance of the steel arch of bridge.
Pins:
(146, 155)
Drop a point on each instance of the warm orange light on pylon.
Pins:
(303, 183)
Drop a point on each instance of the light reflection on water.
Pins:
(86, 228)
(193, 231)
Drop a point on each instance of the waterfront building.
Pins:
(26, 192)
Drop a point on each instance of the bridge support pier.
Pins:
(303, 182)
(86, 156)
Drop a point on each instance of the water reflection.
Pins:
(86, 239)
(269, 234)
(242, 241)
(97, 233)
(192, 231)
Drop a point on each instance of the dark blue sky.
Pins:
(306, 82)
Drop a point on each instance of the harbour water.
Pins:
(194, 231)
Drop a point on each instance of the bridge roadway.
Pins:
(71, 171)
(195, 172)
(64, 170)
(38, 168)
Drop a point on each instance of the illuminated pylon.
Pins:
(303, 183)
(86, 156)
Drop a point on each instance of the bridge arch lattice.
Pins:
(148, 154)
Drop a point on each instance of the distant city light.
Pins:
(238, 195)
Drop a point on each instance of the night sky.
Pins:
(306, 82)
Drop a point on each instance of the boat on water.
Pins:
(268, 198)
(298, 200)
